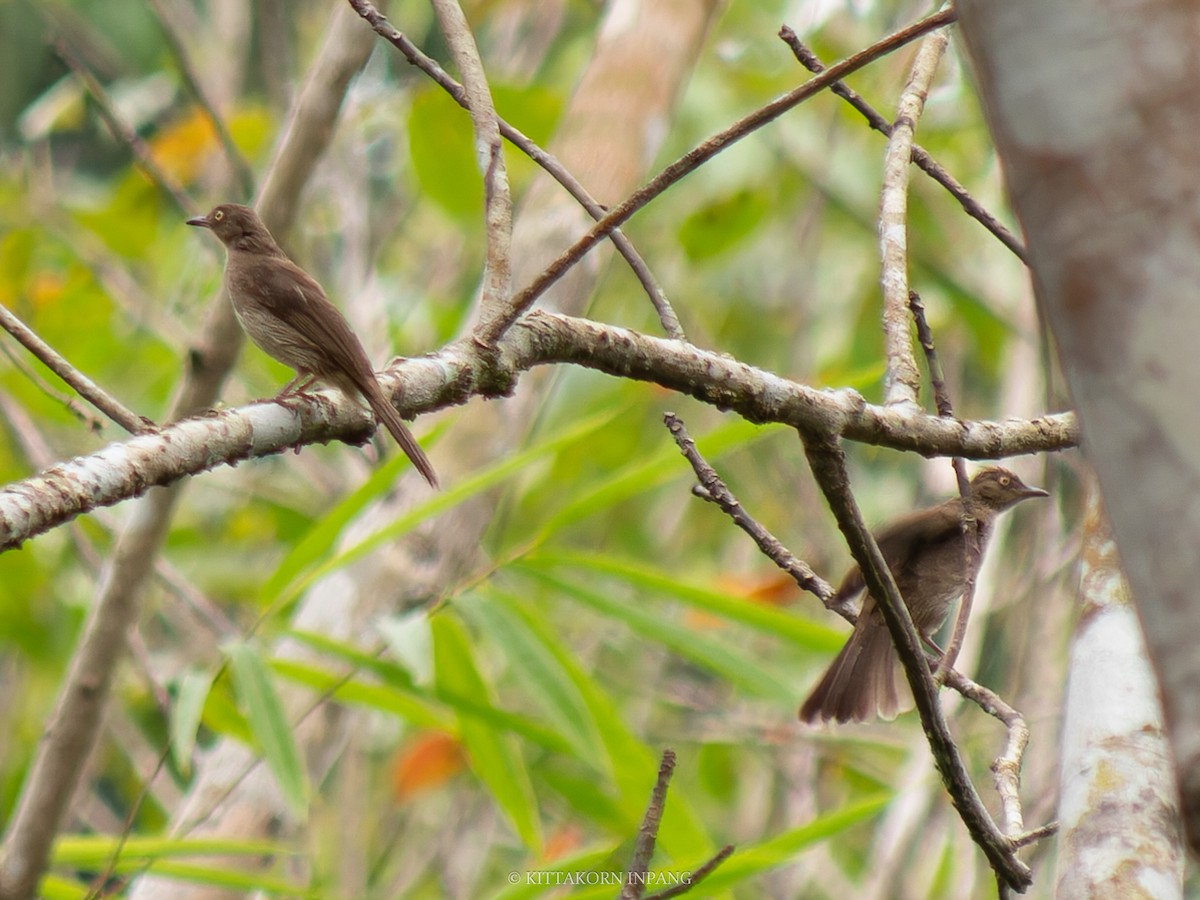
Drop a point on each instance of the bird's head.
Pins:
(237, 227)
(998, 488)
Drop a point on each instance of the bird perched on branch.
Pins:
(927, 553)
(286, 313)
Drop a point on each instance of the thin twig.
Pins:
(696, 875)
(920, 156)
(643, 849)
(1036, 834)
(1006, 769)
(191, 82)
(497, 268)
(828, 464)
(102, 883)
(937, 378)
(971, 553)
(122, 131)
(902, 380)
(971, 549)
(697, 156)
(548, 162)
(71, 403)
(714, 490)
(84, 386)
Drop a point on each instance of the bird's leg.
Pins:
(294, 388)
(935, 662)
(297, 386)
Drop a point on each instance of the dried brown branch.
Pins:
(1007, 767)
(714, 490)
(635, 876)
(633, 886)
(547, 161)
(945, 408)
(71, 403)
(84, 386)
(699, 155)
(902, 380)
(497, 268)
(920, 156)
(696, 876)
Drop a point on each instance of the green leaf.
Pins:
(734, 667)
(492, 756)
(628, 766)
(525, 645)
(399, 694)
(320, 539)
(800, 632)
(643, 475)
(163, 856)
(91, 850)
(447, 499)
(222, 716)
(413, 707)
(369, 661)
(264, 711)
(192, 691)
(756, 860)
(409, 638)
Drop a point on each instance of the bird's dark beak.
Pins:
(200, 221)
(1029, 492)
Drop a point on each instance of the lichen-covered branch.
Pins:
(459, 372)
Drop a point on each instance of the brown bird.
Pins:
(926, 552)
(287, 314)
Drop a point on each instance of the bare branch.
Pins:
(458, 372)
(547, 161)
(697, 875)
(714, 490)
(971, 550)
(920, 156)
(902, 380)
(701, 154)
(84, 386)
(497, 269)
(647, 835)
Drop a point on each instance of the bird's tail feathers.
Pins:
(860, 683)
(386, 413)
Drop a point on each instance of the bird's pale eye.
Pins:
(218, 215)
(1004, 480)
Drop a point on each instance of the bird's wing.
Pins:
(902, 539)
(910, 535)
(295, 297)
